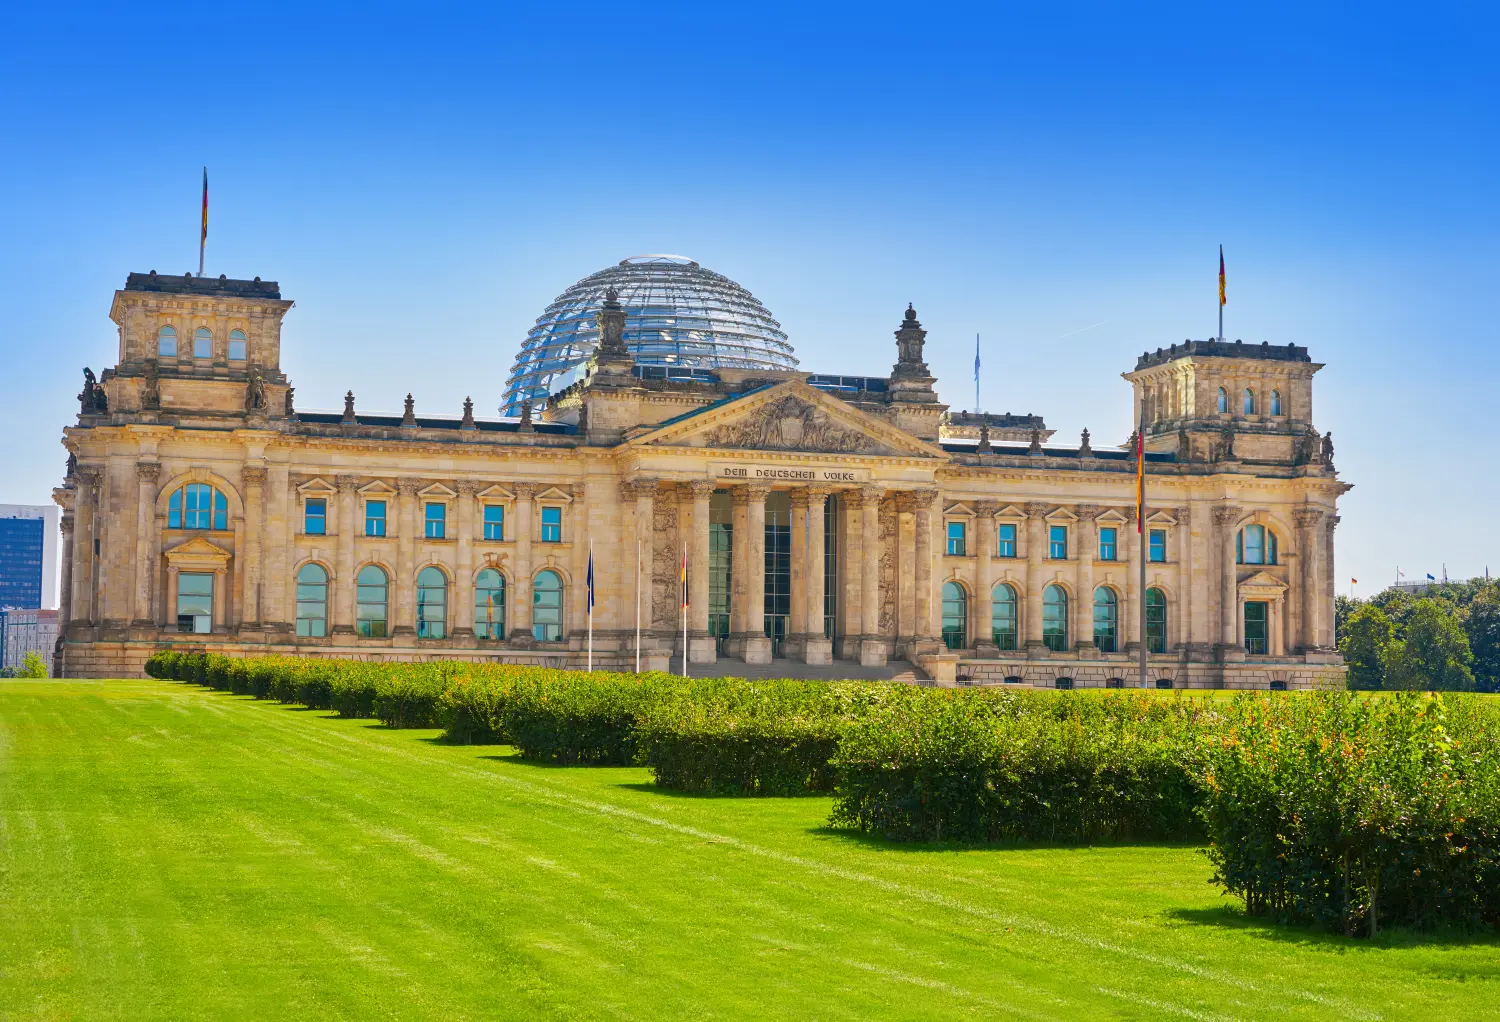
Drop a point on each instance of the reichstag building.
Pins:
(658, 410)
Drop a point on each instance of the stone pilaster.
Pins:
(1036, 552)
(463, 575)
(796, 627)
(405, 617)
(343, 570)
(872, 647)
(146, 475)
(817, 648)
(519, 611)
(1225, 521)
(981, 613)
(755, 645)
(700, 643)
(249, 567)
(1083, 581)
(87, 482)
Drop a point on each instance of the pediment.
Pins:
(316, 486)
(437, 490)
(553, 495)
(496, 493)
(378, 488)
(1062, 514)
(1264, 583)
(197, 553)
(1012, 512)
(790, 416)
(1160, 518)
(959, 510)
(1111, 517)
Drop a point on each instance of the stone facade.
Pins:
(201, 511)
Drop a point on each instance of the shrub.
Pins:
(1358, 813)
(472, 709)
(571, 718)
(997, 766)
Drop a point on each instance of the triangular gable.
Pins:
(379, 488)
(1111, 516)
(553, 496)
(197, 553)
(316, 486)
(789, 416)
(1010, 511)
(1160, 518)
(496, 493)
(1262, 583)
(437, 490)
(1062, 514)
(959, 510)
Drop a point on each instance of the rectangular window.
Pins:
(315, 520)
(1007, 541)
(1057, 542)
(437, 520)
(494, 522)
(1107, 544)
(551, 525)
(374, 518)
(195, 602)
(1158, 548)
(1257, 627)
(956, 539)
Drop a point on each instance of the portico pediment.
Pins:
(792, 417)
(197, 554)
(1262, 586)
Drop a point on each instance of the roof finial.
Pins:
(409, 417)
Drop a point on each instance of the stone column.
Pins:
(220, 601)
(172, 573)
(1180, 548)
(254, 479)
(343, 567)
(817, 648)
(1083, 581)
(739, 570)
(405, 623)
(519, 597)
(65, 586)
(146, 473)
(796, 625)
(1036, 552)
(463, 581)
(981, 616)
(1304, 582)
(872, 647)
(927, 567)
(86, 483)
(1226, 518)
(851, 571)
(756, 647)
(700, 643)
(276, 586)
(1328, 587)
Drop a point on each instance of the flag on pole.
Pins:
(1431, 576)
(591, 578)
(684, 576)
(1222, 299)
(976, 360)
(203, 233)
(1354, 581)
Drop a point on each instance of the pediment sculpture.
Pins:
(789, 424)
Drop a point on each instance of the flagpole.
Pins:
(684, 611)
(1142, 537)
(203, 232)
(1221, 294)
(976, 374)
(637, 604)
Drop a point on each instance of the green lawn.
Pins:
(168, 852)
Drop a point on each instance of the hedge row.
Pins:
(1328, 808)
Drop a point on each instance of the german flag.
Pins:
(1140, 478)
(1222, 299)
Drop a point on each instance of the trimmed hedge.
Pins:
(988, 766)
(1356, 812)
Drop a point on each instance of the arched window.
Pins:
(166, 342)
(197, 506)
(1255, 544)
(1106, 619)
(1055, 618)
(203, 343)
(1163, 682)
(1249, 401)
(312, 601)
(489, 605)
(432, 603)
(1156, 621)
(1275, 402)
(547, 607)
(370, 602)
(1223, 400)
(955, 615)
(1114, 683)
(1003, 616)
(1063, 683)
(236, 345)
(1278, 685)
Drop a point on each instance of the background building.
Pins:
(28, 556)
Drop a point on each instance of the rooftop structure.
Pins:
(677, 314)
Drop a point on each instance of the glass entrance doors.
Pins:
(778, 569)
(720, 566)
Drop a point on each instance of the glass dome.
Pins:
(676, 314)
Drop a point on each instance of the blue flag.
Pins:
(1431, 576)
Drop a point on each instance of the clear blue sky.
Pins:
(424, 179)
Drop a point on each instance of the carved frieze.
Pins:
(789, 424)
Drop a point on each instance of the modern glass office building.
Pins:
(677, 314)
(28, 556)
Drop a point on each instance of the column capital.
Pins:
(748, 493)
(817, 492)
(408, 487)
(524, 491)
(469, 488)
(701, 489)
(89, 477)
(252, 475)
(986, 508)
(1306, 517)
(1037, 509)
(345, 483)
(147, 471)
(1087, 512)
(66, 524)
(798, 498)
(1184, 515)
(1227, 516)
(1333, 521)
(630, 489)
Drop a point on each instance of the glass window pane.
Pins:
(1003, 616)
(236, 345)
(551, 525)
(1257, 627)
(432, 604)
(166, 342)
(1107, 538)
(547, 607)
(956, 531)
(315, 519)
(955, 615)
(1156, 621)
(436, 520)
(203, 343)
(489, 605)
(1055, 618)
(494, 522)
(1057, 545)
(370, 602)
(1158, 551)
(374, 518)
(1106, 614)
(1007, 535)
(195, 602)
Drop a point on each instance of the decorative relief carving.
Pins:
(468, 487)
(147, 471)
(1227, 516)
(666, 551)
(1087, 512)
(408, 487)
(524, 491)
(888, 533)
(345, 483)
(701, 489)
(986, 508)
(789, 424)
(252, 475)
(1307, 516)
(1037, 509)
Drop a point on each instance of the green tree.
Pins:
(32, 666)
(1364, 641)
(1482, 624)
(1434, 654)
